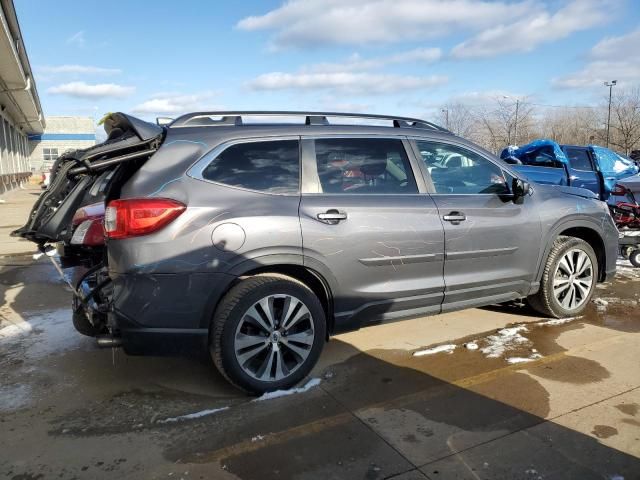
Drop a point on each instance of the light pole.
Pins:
(446, 116)
(610, 85)
(515, 126)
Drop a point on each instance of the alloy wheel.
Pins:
(274, 337)
(573, 279)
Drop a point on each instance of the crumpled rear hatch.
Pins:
(80, 177)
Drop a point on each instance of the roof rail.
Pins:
(200, 119)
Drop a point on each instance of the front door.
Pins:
(491, 243)
(366, 225)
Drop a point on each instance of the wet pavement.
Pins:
(484, 393)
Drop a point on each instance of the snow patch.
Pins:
(314, 382)
(505, 339)
(42, 334)
(257, 438)
(191, 416)
(14, 397)
(471, 346)
(14, 329)
(439, 349)
(557, 321)
(625, 269)
(534, 356)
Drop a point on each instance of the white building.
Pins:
(60, 135)
(20, 110)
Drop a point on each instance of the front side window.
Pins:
(460, 171)
(579, 159)
(364, 166)
(267, 166)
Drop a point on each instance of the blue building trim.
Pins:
(64, 136)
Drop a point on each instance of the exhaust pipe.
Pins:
(108, 341)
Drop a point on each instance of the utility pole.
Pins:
(515, 133)
(610, 85)
(446, 116)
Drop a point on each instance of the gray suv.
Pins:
(261, 234)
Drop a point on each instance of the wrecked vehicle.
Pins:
(592, 167)
(260, 234)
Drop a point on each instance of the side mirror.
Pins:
(519, 189)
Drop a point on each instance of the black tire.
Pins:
(232, 309)
(634, 258)
(545, 302)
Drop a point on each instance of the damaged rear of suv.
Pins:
(260, 234)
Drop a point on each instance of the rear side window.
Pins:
(364, 166)
(579, 159)
(269, 166)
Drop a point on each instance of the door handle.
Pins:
(455, 217)
(332, 216)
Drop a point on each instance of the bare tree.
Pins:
(498, 123)
(493, 125)
(458, 118)
(625, 124)
(570, 125)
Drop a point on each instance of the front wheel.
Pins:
(568, 280)
(267, 333)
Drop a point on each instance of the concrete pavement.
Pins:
(539, 399)
(14, 208)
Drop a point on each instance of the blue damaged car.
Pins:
(592, 167)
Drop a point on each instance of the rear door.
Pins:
(369, 226)
(491, 243)
(582, 171)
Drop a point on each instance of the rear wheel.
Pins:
(267, 333)
(568, 280)
(634, 258)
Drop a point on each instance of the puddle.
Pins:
(614, 307)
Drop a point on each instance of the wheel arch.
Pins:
(594, 239)
(585, 230)
(289, 265)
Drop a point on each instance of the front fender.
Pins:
(563, 225)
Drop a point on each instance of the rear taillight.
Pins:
(89, 233)
(95, 211)
(139, 216)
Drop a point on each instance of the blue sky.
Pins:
(379, 56)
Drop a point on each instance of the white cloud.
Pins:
(85, 90)
(527, 33)
(77, 39)
(304, 23)
(80, 69)
(618, 48)
(613, 58)
(359, 83)
(357, 63)
(176, 103)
